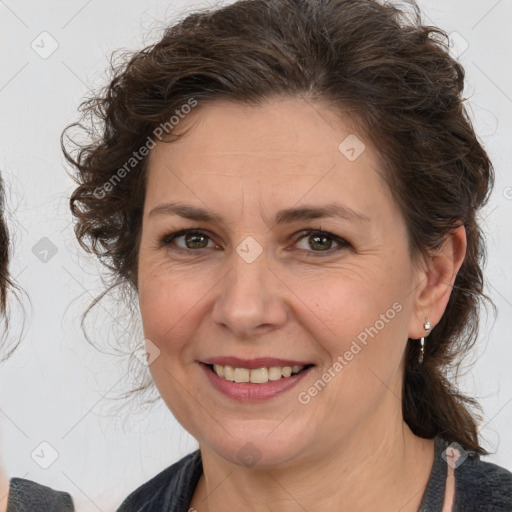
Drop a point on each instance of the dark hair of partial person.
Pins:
(382, 69)
(5, 280)
(7, 285)
(11, 294)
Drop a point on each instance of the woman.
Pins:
(21, 495)
(291, 189)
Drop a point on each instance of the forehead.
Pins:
(284, 148)
(276, 126)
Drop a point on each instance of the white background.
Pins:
(56, 387)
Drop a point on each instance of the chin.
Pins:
(254, 446)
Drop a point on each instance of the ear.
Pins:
(434, 282)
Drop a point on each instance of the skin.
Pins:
(4, 490)
(348, 448)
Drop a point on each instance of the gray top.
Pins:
(479, 486)
(27, 496)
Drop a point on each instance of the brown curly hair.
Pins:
(399, 84)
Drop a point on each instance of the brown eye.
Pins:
(195, 241)
(187, 240)
(320, 241)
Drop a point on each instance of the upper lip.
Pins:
(259, 362)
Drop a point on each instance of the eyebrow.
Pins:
(305, 212)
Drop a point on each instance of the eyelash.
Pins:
(342, 244)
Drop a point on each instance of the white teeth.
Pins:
(274, 373)
(257, 375)
(241, 375)
(229, 373)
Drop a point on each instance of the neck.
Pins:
(382, 467)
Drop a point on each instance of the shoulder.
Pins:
(482, 486)
(26, 495)
(171, 490)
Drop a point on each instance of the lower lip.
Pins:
(247, 392)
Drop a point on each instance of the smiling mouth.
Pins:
(256, 375)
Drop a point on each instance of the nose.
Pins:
(251, 301)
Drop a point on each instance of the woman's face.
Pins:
(265, 282)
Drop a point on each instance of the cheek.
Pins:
(166, 314)
(360, 321)
(343, 304)
(167, 300)
(169, 307)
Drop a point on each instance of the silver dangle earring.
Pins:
(426, 326)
